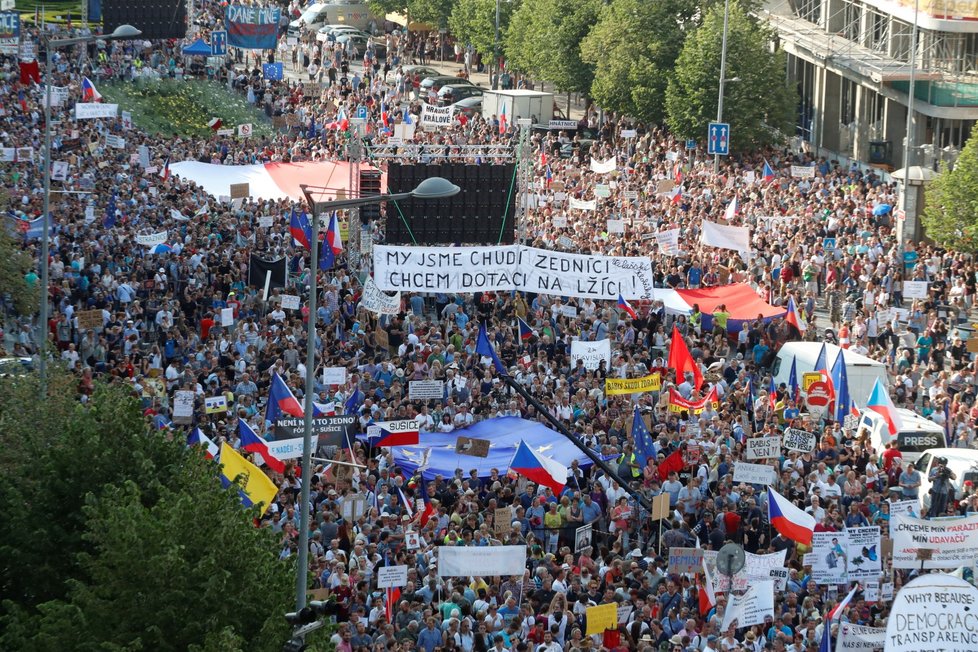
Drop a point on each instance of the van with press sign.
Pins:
(917, 435)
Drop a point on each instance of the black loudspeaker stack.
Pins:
(482, 213)
(158, 19)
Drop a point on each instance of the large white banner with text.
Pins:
(508, 268)
(954, 541)
(494, 561)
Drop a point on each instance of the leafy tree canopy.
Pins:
(115, 537)
(759, 107)
(951, 202)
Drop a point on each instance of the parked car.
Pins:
(10, 367)
(323, 34)
(452, 93)
(469, 107)
(437, 81)
(360, 42)
(424, 71)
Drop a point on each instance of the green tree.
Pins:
(14, 266)
(759, 107)
(633, 48)
(544, 39)
(473, 22)
(115, 537)
(432, 12)
(951, 202)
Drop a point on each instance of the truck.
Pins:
(536, 105)
(355, 14)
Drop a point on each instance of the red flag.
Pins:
(30, 71)
(681, 360)
(672, 463)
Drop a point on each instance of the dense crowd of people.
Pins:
(161, 332)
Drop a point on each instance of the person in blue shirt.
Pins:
(430, 637)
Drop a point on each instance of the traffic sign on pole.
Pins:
(718, 138)
(690, 143)
(219, 43)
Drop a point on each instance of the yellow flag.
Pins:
(254, 486)
(602, 617)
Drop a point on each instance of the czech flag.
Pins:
(677, 173)
(282, 400)
(215, 123)
(332, 245)
(768, 174)
(772, 393)
(525, 331)
(251, 442)
(788, 519)
(398, 433)
(408, 509)
(89, 92)
(793, 318)
(502, 121)
(837, 610)
(539, 468)
(301, 229)
(627, 307)
(880, 403)
(165, 171)
(707, 596)
(198, 438)
(548, 176)
(384, 118)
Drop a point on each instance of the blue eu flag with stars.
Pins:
(644, 446)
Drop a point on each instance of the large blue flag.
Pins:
(484, 347)
(840, 379)
(644, 446)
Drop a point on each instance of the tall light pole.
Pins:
(723, 73)
(495, 53)
(121, 32)
(909, 144)
(430, 188)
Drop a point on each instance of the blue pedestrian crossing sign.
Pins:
(219, 43)
(718, 138)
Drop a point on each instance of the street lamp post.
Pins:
(909, 143)
(430, 188)
(495, 53)
(120, 32)
(723, 73)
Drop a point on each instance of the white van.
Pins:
(962, 461)
(861, 371)
(355, 14)
(917, 435)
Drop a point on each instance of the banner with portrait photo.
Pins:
(829, 563)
